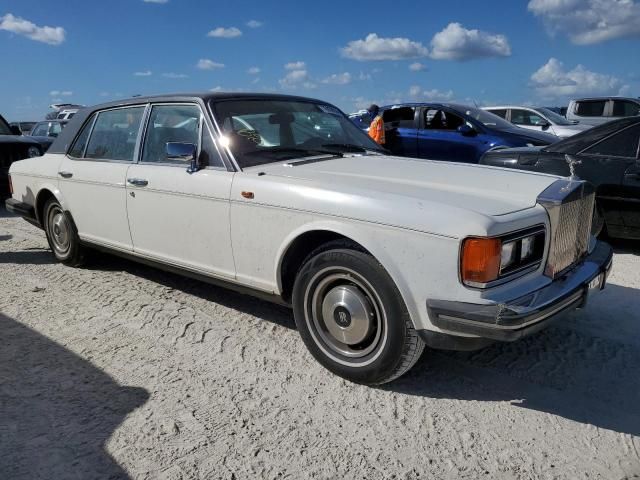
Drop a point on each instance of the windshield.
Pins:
(554, 117)
(4, 127)
(271, 131)
(488, 119)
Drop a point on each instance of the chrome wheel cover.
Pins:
(59, 230)
(345, 316)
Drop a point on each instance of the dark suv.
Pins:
(13, 146)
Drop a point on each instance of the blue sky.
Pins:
(352, 54)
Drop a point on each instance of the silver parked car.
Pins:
(538, 118)
(599, 110)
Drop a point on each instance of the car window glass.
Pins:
(590, 108)
(625, 108)
(501, 112)
(623, 144)
(402, 117)
(55, 129)
(170, 123)
(442, 120)
(40, 130)
(115, 134)
(209, 155)
(525, 117)
(77, 150)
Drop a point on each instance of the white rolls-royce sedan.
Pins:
(285, 198)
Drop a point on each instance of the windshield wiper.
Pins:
(349, 147)
(303, 152)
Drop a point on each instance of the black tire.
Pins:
(62, 234)
(376, 351)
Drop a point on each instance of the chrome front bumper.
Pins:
(512, 320)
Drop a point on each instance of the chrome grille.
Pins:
(569, 204)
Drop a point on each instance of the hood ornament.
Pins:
(572, 162)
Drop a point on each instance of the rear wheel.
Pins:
(61, 234)
(351, 316)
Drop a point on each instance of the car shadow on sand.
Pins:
(580, 369)
(57, 410)
(32, 256)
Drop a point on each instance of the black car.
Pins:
(608, 156)
(13, 146)
(25, 127)
(46, 132)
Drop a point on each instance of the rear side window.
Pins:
(77, 150)
(590, 108)
(115, 134)
(41, 130)
(625, 108)
(623, 144)
(402, 117)
(501, 112)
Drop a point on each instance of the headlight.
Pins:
(34, 152)
(485, 260)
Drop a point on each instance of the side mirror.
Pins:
(466, 130)
(15, 130)
(183, 152)
(544, 125)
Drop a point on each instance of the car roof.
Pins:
(62, 143)
(611, 97)
(510, 106)
(455, 106)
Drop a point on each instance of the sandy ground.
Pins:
(120, 371)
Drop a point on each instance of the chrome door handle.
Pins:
(65, 174)
(138, 182)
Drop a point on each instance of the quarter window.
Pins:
(77, 150)
(623, 144)
(115, 134)
(591, 108)
(625, 108)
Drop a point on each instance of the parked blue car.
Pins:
(453, 132)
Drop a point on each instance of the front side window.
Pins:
(115, 134)
(525, 117)
(590, 108)
(623, 144)
(77, 150)
(273, 130)
(625, 108)
(441, 120)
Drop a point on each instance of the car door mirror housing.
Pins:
(184, 152)
(466, 130)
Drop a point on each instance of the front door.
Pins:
(439, 138)
(92, 176)
(178, 217)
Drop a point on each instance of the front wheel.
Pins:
(61, 234)
(352, 318)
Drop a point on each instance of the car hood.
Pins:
(532, 136)
(17, 139)
(401, 191)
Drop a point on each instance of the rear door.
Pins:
(612, 165)
(178, 217)
(401, 131)
(92, 175)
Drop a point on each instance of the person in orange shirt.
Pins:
(376, 129)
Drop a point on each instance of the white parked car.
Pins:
(538, 118)
(285, 198)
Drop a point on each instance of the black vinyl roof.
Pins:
(63, 141)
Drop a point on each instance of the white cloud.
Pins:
(364, 76)
(216, 89)
(20, 26)
(296, 77)
(553, 80)
(417, 67)
(221, 32)
(458, 43)
(253, 71)
(338, 79)
(417, 93)
(144, 73)
(58, 93)
(295, 66)
(589, 21)
(374, 47)
(174, 75)
(156, 1)
(254, 24)
(206, 64)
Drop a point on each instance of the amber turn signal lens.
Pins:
(480, 261)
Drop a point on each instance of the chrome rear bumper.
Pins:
(509, 321)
